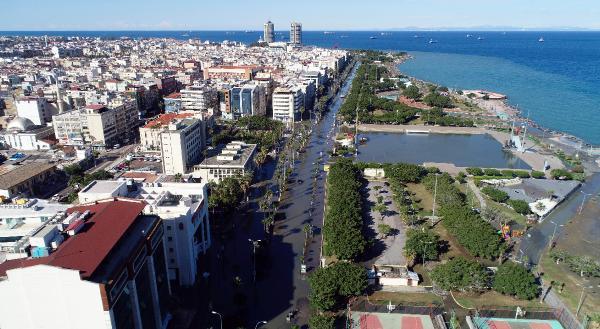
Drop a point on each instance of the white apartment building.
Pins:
(183, 209)
(198, 98)
(287, 103)
(236, 158)
(96, 124)
(180, 137)
(35, 109)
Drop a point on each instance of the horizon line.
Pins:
(409, 29)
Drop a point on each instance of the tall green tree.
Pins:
(421, 244)
(515, 280)
(460, 274)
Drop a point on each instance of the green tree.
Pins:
(412, 92)
(330, 285)
(343, 227)
(460, 274)
(421, 244)
(384, 229)
(515, 280)
(324, 321)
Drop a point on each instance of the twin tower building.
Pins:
(295, 33)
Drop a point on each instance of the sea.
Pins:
(556, 83)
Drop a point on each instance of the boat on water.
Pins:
(372, 38)
(432, 41)
(363, 140)
(541, 40)
(480, 38)
(185, 35)
(416, 36)
(469, 36)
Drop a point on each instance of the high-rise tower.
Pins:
(269, 32)
(296, 33)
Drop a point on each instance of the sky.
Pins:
(314, 14)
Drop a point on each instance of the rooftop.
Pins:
(531, 189)
(215, 157)
(165, 119)
(107, 235)
(23, 172)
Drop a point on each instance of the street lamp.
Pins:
(581, 298)
(585, 195)
(423, 256)
(554, 232)
(220, 317)
(434, 198)
(254, 244)
(259, 324)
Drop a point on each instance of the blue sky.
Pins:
(314, 14)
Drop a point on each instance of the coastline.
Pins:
(495, 107)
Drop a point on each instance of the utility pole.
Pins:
(434, 199)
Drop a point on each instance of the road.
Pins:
(279, 286)
(538, 238)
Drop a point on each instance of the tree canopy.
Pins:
(460, 274)
(329, 286)
(422, 244)
(343, 226)
(515, 280)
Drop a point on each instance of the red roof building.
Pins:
(111, 269)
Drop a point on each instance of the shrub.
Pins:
(475, 171)
(492, 172)
(495, 194)
(538, 174)
(561, 174)
(520, 206)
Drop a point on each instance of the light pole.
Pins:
(585, 195)
(581, 298)
(254, 244)
(220, 317)
(434, 198)
(423, 256)
(554, 232)
(259, 324)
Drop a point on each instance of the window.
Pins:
(169, 227)
(169, 238)
(171, 249)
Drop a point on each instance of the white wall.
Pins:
(41, 296)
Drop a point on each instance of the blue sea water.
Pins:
(557, 82)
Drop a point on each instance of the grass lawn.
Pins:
(491, 299)
(571, 293)
(399, 298)
(422, 194)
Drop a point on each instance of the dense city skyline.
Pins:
(408, 14)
